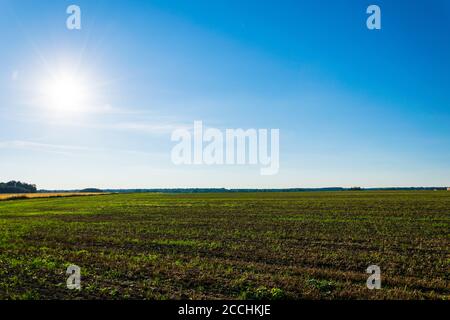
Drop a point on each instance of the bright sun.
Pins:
(65, 93)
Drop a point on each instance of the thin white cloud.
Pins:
(64, 149)
(36, 146)
(146, 127)
(130, 126)
(15, 75)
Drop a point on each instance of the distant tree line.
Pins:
(17, 187)
(222, 190)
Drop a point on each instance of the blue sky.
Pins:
(354, 107)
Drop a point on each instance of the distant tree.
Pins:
(91, 190)
(17, 187)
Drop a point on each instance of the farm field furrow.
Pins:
(308, 245)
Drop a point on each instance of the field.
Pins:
(312, 245)
(19, 196)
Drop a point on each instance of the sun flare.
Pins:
(65, 93)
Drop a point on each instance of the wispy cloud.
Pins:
(45, 147)
(129, 126)
(15, 75)
(147, 127)
(64, 149)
